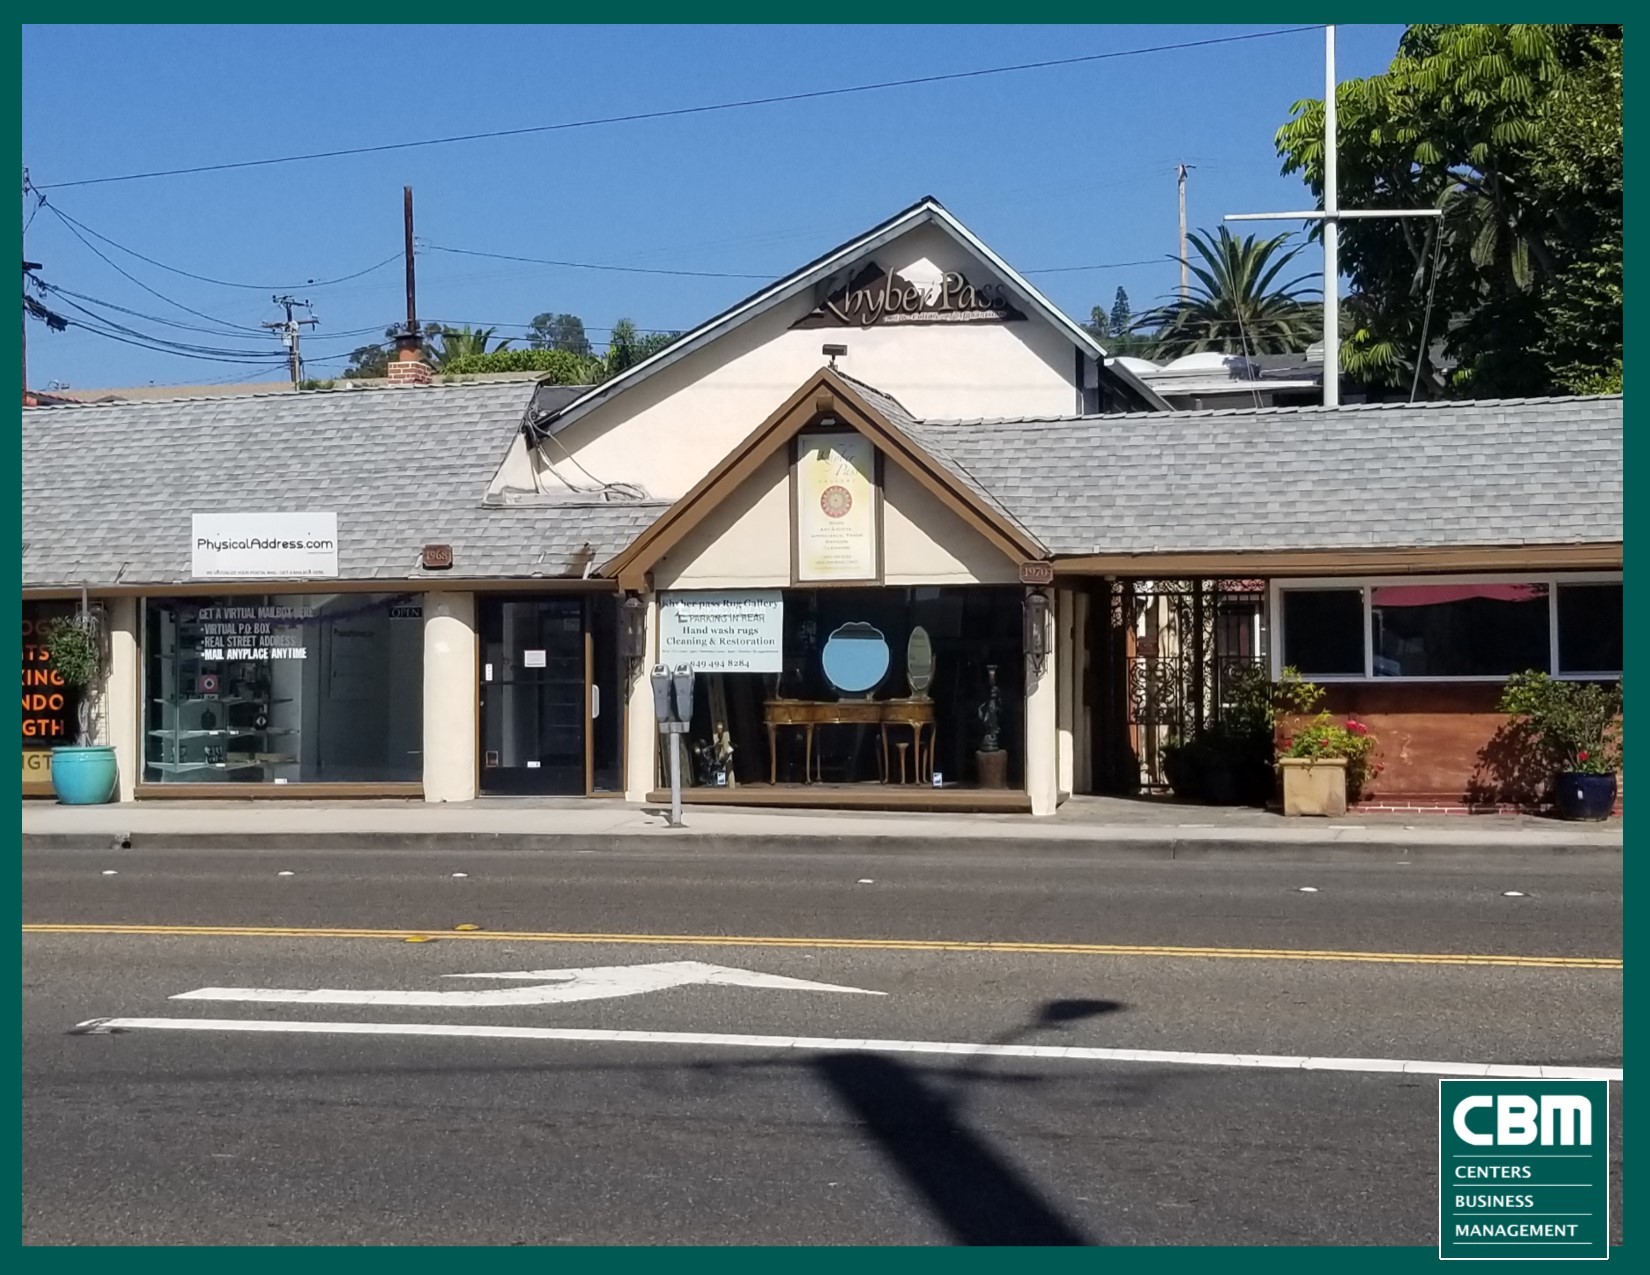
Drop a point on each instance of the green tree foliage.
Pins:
(368, 361)
(1121, 318)
(627, 346)
(558, 332)
(560, 367)
(1236, 303)
(453, 344)
(1515, 132)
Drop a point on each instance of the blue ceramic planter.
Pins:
(84, 775)
(1578, 796)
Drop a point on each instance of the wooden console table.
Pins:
(918, 714)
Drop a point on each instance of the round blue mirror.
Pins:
(855, 658)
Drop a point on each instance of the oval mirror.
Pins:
(919, 662)
(855, 658)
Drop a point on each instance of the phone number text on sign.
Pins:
(726, 631)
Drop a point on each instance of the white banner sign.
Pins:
(836, 512)
(242, 546)
(733, 631)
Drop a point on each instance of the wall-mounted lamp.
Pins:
(633, 632)
(834, 352)
(1036, 630)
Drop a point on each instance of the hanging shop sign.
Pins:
(875, 296)
(242, 546)
(723, 631)
(837, 520)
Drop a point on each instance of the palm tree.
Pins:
(458, 343)
(1236, 305)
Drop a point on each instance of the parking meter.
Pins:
(682, 679)
(660, 677)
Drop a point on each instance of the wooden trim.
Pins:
(278, 792)
(239, 588)
(867, 796)
(632, 565)
(1292, 562)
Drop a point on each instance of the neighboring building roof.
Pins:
(1445, 474)
(927, 210)
(108, 489)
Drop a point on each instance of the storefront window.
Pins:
(876, 686)
(50, 707)
(313, 688)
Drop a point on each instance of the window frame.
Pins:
(1277, 587)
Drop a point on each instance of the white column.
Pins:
(1042, 760)
(1065, 687)
(122, 712)
(641, 729)
(452, 692)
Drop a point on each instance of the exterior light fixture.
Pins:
(1036, 630)
(633, 631)
(834, 352)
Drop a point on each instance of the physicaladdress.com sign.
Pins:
(1523, 1169)
(263, 546)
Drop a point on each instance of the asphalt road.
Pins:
(155, 1135)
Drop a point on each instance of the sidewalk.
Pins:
(1102, 826)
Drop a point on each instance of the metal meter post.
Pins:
(673, 707)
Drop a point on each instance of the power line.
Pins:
(590, 265)
(723, 274)
(678, 112)
(222, 283)
(107, 260)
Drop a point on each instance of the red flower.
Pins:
(1356, 727)
(1582, 755)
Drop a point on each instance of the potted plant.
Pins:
(1324, 762)
(83, 773)
(1577, 727)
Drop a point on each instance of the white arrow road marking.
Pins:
(554, 987)
(828, 1044)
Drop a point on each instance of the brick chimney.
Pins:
(407, 367)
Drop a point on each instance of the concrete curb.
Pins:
(687, 841)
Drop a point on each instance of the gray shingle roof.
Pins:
(1462, 474)
(108, 489)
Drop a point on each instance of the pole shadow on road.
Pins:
(973, 1191)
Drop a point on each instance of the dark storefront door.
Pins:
(535, 696)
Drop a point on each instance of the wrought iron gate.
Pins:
(1184, 646)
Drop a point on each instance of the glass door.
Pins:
(535, 699)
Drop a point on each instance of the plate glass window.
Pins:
(291, 688)
(1459, 630)
(1323, 631)
(1590, 628)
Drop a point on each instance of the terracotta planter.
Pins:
(1313, 786)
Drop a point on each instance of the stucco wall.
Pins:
(746, 541)
(666, 432)
(450, 697)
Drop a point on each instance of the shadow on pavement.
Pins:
(973, 1192)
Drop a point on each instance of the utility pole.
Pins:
(1330, 216)
(23, 240)
(290, 330)
(1185, 285)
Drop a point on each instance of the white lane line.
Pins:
(1072, 1053)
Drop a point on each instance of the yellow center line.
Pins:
(869, 945)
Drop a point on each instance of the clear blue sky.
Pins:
(1069, 166)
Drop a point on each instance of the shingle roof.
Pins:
(108, 489)
(1452, 474)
